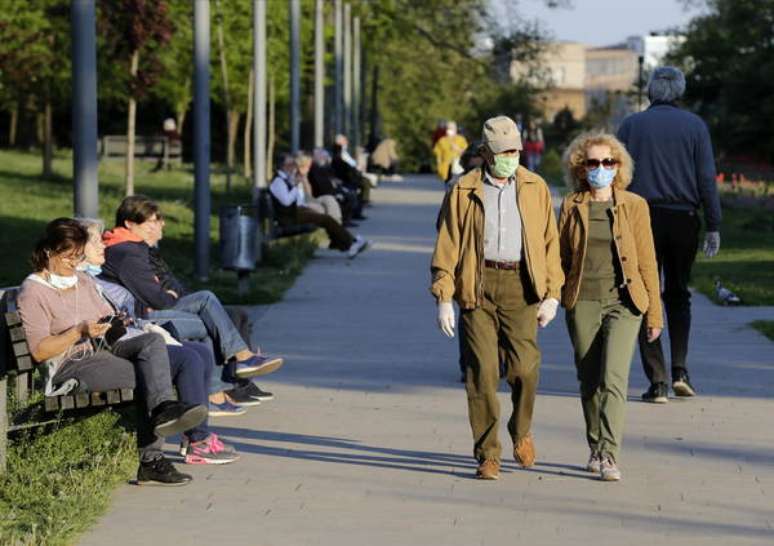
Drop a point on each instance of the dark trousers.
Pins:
(341, 239)
(139, 363)
(191, 366)
(676, 236)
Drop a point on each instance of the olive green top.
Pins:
(599, 281)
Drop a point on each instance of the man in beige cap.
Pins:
(497, 255)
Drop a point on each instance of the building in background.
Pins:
(603, 82)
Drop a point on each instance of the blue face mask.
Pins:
(601, 177)
(91, 269)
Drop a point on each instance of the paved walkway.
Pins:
(368, 443)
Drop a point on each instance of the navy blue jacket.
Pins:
(129, 264)
(673, 161)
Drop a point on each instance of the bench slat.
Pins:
(24, 363)
(97, 399)
(113, 397)
(12, 318)
(51, 403)
(66, 402)
(127, 395)
(17, 333)
(82, 400)
(20, 348)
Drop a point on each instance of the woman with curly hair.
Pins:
(609, 261)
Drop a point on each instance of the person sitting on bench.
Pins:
(129, 261)
(192, 363)
(290, 207)
(70, 329)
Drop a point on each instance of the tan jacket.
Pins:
(458, 261)
(633, 240)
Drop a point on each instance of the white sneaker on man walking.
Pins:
(357, 246)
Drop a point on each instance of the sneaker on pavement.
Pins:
(209, 451)
(171, 417)
(595, 463)
(160, 471)
(239, 397)
(488, 469)
(656, 394)
(225, 409)
(253, 390)
(524, 451)
(608, 471)
(357, 246)
(258, 365)
(682, 385)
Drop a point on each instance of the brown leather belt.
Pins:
(510, 266)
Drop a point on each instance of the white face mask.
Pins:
(62, 283)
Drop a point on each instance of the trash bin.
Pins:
(240, 246)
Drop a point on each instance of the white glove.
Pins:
(711, 244)
(547, 311)
(446, 318)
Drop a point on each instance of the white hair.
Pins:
(667, 84)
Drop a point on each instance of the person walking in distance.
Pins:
(497, 255)
(448, 151)
(675, 173)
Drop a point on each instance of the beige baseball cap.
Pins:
(501, 134)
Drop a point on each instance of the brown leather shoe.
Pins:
(524, 452)
(489, 469)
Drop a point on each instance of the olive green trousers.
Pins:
(503, 328)
(603, 334)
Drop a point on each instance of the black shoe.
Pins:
(682, 385)
(171, 417)
(350, 224)
(656, 394)
(239, 397)
(254, 391)
(160, 471)
(360, 217)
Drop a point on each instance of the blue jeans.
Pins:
(191, 366)
(201, 317)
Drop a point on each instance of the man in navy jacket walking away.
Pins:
(675, 172)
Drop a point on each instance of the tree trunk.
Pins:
(270, 139)
(233, 128)
(132, 116)
(40, 121)
(180, 118)
(248, 141)
(48, 144)
(13, 125)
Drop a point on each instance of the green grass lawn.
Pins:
(58, 482)
(28, 202)
(745, 263)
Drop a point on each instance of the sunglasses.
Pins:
(607, 163)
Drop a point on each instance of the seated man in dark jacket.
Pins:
(324, 182)
(345, 169)
(131, 262)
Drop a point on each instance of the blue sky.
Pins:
(603, 22)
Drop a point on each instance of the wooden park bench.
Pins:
(145, 147)
(17, 377)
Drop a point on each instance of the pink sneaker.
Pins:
(209, 451)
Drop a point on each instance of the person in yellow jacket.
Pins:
(497, 255)
(448, 151)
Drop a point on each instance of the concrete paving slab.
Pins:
(367, 441)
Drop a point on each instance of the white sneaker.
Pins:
(609, 471)
(357, 246)
(595, 463)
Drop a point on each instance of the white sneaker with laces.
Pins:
(608, 470)
(357, 246)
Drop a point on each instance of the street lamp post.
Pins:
(201, 145)
(84, 104)
(295, 75)
(319, 74)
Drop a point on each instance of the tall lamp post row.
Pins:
(347, 99)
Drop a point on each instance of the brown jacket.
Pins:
(633, 240)
(458, 260)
